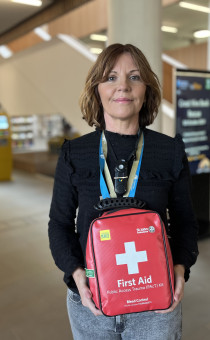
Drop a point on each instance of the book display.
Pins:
(22, 132)
(32, 132)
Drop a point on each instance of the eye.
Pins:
(135, 77)
(111, 78)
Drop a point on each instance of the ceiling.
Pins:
(185, 20)
(12, 14)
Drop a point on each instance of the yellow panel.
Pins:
(5, 148)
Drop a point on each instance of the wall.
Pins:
(167, 82)
(82, 21)
(194, 56)
(47, 78)
(168, 2)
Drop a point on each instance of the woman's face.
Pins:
(123, 94)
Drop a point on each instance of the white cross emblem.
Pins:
(131, 257)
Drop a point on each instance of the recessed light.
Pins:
(5, 52)
(194, 7)
(36, 3)
(98, 37)
(202, 34)
(169, 29)
(96, 50)
(42, 33)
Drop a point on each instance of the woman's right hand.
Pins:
(84, 291)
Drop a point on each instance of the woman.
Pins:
(121, 96)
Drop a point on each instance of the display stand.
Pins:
(5, 148)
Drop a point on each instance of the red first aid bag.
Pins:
(129, 262)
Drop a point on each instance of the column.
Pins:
(138, 22)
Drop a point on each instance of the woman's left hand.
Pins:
(179, 288)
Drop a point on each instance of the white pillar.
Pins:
(138, 22)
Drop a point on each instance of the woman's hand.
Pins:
(84, 291)
(179, 288)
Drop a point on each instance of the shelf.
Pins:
(32, 132)
(22, 120)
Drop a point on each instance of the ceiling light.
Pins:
(42, 34)
(194, 7)
(169, 29)
(5, 52)
(98, 37)
(202, 34)
(37, 3)
(96, 50)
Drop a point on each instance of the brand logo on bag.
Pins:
(105, 235)
(131, 257)
(138, 300)
(150, 229)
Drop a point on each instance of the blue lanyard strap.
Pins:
(102, 160)
(103, 186)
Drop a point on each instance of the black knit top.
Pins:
(164, 184)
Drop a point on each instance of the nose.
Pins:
(123, 84)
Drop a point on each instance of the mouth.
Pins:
(123, 100)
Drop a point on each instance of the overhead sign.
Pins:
(193, 117)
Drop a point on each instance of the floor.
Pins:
(32, 293)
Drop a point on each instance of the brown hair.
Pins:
(90, 102)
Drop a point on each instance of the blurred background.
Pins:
(46, 50)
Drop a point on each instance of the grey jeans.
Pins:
(136, 326)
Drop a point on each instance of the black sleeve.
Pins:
(64, 242)
(183, 224)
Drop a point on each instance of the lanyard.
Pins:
(134, 174)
